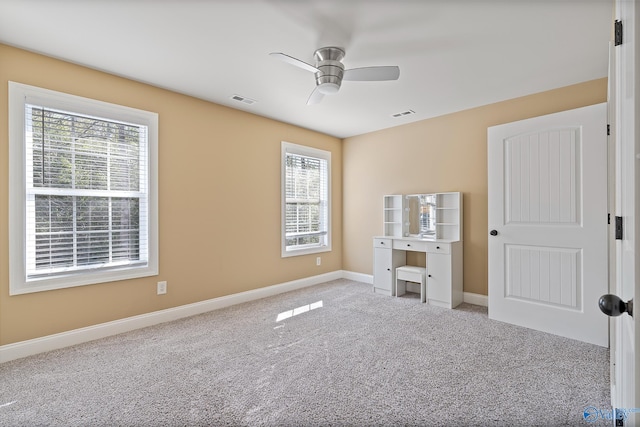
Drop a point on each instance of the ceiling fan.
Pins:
(330, 71)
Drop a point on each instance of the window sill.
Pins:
(305, 251)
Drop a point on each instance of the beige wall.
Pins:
(447, 153)
(219, 209)
(214, 161)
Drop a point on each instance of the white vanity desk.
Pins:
(443, 256)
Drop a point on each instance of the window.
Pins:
(82, 191)
(305, 200)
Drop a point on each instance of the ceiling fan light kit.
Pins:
(328, 88)
(329, 71)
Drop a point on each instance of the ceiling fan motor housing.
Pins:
(331, 70)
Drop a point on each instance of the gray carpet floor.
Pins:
(339, 356)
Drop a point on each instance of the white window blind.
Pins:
(306, 200)
(87, 204)
(86, 192)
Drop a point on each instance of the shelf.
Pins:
(448, 200)
(393, 202)
(393, 215)
(449, 216)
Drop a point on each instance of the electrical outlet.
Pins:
(162, 288)
(318, 260)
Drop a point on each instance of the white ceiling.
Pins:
(453, 54)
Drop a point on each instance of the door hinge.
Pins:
(608, 130)
(608, 218)
(619, 228)
(617, 33)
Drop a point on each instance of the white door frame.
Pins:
(625, 343)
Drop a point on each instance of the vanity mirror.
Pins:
(422, 215)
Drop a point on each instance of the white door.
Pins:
(547, 191)
(626, 329)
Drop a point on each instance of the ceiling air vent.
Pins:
(243, 99)
(404, 113)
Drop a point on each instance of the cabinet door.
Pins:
(383, 269)
(439, 277)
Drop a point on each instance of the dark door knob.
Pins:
(612, 305)
(494, 232)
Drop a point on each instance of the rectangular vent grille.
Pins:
(404, 113)
(243, 99)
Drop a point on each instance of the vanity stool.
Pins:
(410, 273)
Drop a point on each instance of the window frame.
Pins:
(302, 150)
(22, 94)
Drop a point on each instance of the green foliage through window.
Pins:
(85, 176)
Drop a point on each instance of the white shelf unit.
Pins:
(449, 216)
(395, 215)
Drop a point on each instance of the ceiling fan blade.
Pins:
(294, 61)
(315, 97)
(371, 74)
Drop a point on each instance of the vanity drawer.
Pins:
(410, 245)
(382, 243)
(438, 248)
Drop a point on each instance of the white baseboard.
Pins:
(358, 277)
(77, 336)
(477, 299)
(468, 297)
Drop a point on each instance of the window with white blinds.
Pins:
(81, 189)
(305, 204)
